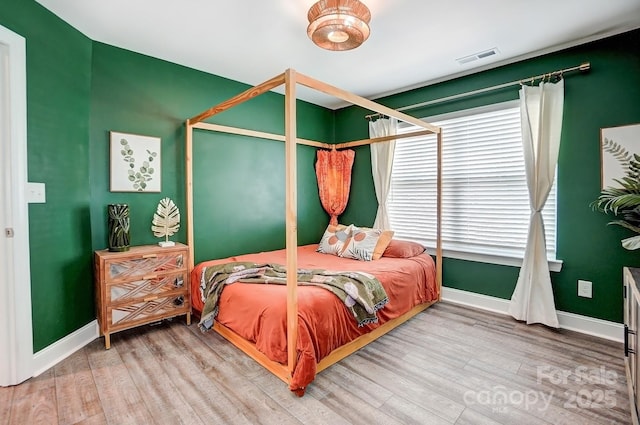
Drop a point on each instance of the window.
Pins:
(485, 201)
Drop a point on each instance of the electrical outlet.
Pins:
(585, 289)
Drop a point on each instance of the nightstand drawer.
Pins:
(145, 311)
(144, 266)
(118, 292)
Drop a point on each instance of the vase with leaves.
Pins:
(166, 221)
(623, 200)
(118, 220)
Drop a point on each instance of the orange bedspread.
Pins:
(257, 312)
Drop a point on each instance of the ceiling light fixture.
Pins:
(338, 24)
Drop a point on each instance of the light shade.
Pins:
(338, 24)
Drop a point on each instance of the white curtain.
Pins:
(381, 165)
(541, 113)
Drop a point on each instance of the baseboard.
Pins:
(570, 321)
(63, 348)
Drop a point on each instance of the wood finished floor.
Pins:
(448, 365)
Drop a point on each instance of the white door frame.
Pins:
(16, 334)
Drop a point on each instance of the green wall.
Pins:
(608, 95)
(58, 96)
(238, 181)
(78, 91)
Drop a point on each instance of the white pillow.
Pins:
(335, 239)
(366, 244)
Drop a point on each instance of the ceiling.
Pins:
(413, 43)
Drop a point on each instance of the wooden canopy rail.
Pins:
(290, 78)
(321, 145)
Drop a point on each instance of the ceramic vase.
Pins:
(118, 227)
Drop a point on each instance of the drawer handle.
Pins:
(150, 256)
(150, 277)
(154, 297)
(628, 350)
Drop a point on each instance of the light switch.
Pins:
(36, 193)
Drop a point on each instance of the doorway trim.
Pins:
(16, 333)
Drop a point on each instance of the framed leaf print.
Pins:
(135, 163)
(618, 145)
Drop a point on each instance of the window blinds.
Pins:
(485, 199)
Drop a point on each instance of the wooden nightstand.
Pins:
(143, 285)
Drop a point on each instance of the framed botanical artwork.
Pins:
(617, 144)
(135, 163)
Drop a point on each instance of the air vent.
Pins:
(479, 55)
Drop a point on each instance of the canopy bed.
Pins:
(302, 350)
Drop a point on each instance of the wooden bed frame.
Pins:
(290, 78)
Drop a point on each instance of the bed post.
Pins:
(290, 79)
(188, 155)
(291, 218)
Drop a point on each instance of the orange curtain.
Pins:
(333, 170)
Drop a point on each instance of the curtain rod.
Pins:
(583, 67)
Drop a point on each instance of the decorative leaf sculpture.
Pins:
(166, 221)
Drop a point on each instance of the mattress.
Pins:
(257, 312)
